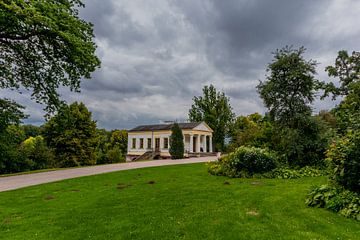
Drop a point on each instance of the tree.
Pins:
(72, 134)
(43, 45)
(290, 88)
(176, 142)
(253, 130)
(213, 108)
(347, 69)
(10, 113)
(119, 138)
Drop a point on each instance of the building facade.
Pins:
(156, 139)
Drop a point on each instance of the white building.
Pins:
(149, 141)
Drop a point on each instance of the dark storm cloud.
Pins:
(156, 55)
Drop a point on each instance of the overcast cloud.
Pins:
(156, 55)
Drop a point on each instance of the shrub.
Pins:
(115, 155)
(336, 199)
(246, 161)
(343, 157)
(288, 173)
(221, 167)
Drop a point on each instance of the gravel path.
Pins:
(20, 181)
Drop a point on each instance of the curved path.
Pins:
(25, 180)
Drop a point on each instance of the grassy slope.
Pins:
(183, 203)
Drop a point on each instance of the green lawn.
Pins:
(173, 202)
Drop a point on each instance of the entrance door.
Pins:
(157, 144)
(194, 144)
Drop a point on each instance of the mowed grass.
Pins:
(173, 202)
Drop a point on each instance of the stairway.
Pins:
(149, 155)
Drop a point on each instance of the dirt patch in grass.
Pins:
(74, 190)
(252, 213)
(226, 183)
(49, 197)
(122, 185)
(256, 183)
(151, 182)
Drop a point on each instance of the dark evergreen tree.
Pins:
(176, 142)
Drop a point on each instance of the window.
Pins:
(133, 143)
(166, 143)
(141, 143)
(149, 143)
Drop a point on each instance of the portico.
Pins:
(197, 143)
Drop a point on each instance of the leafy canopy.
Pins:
(72, 133)
(214, 108)
(43, 45)
(347, 69)
(290, 88)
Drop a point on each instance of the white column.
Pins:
(210, 144)
(205, 143)
(152, 142)
(184, 141)
(191, 143)
(198, 143)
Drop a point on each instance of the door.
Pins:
(157, 144)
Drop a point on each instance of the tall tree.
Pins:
(290, 88)
(43, 45)
(72, 133)
(214, 108)
(176, 142)
(347, 69)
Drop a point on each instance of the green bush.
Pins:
(288, 173)
(343, 157)
(115, 155)
(37, 154)
(336, 199)
(246, 161)
(221, 167)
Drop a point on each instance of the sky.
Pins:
(158, 54)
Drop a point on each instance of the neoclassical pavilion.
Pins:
(151, 140)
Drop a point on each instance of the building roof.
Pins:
(158, 127)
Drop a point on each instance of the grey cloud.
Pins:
(156, 55)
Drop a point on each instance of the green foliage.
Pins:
(290, 88)
(72, 134)
(343, 157)
(31, 130)
(176, 142)
(288, 173)
(303, 146)
(214, 109)
(253, 130)
(119, 138)
(347, 69)
(247, 161)
(115, 155)
(11, 160)
(221, 167)
(337, 199)
(10, 113)
(37, 154)
(44, 44)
